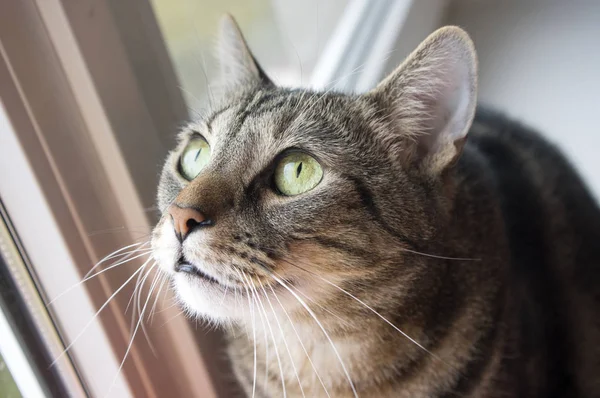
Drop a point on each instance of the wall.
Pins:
(540, 63)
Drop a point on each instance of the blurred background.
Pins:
(93, 92)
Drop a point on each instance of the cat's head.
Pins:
(280, 194)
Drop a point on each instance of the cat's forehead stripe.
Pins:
(214, 115)
(276, 103)
(247, 108)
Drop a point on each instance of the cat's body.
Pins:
(553, 225)
(353, 251)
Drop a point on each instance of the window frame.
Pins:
(28, 337)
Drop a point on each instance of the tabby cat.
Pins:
(396, 243)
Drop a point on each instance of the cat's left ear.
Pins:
(430, 100)
(238, 65)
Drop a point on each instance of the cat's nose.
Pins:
(186, 219)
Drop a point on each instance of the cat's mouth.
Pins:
(186, 267)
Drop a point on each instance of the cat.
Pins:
(396, 243)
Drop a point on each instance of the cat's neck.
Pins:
(373, 352)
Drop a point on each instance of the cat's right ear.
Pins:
(238, 65)
(430, 101)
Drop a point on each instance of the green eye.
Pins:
(194, 157)
(297, 173)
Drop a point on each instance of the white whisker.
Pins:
(283, 338)
(312, 314)
(130, 301)
(139, 288)
(140, 321)
(224, 295)
(162, 285)
(345, 322)
(94, 275)
(253, 286)
(173, 304)
(264, 328)
(376, 313)
(300, 341)
(138, 245)
(439, 257)
(98, 312)
(171, 318)
(251, 306)
(140, 313)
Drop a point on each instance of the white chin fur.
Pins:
(206, 301)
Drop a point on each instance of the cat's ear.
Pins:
(430, 99)
(238, 66)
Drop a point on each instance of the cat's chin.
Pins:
(207, 299)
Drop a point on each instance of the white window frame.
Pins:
(366, 42)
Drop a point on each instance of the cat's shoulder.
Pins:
(489, 124)
(506, 141)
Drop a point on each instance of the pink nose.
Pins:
(186, 219)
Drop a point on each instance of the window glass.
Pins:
(287, 38)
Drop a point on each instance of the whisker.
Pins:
(264, 329)
(140, 313)
(224, 295)
(418, 253)
(251, 306)
(253, 286)
(137, 291)
(171, 318)
(138, 245)
(344, 321)
(199, 114)
(133, 296)
(139, 283)
(166, 290)
(210, 96)
(375, 312)
(150, 315)
(137, 230)
(140, 321)
(92, 276)
(312, 314)
(97, 313)
(439, 257)
(174, 304)
(123, 256)
(283, 338)
(235, 297)
(153, 308)
(155, 282)
(300, 341)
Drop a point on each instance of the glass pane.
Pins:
(8, 387)
(287, 37)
